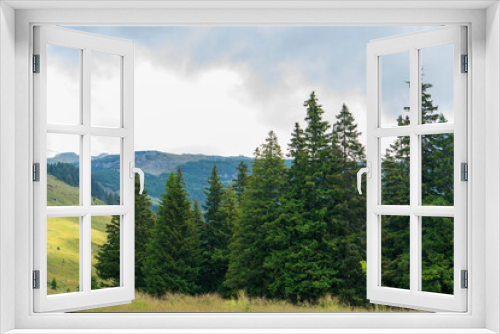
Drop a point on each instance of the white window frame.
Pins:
(86, 43)
(412, 44)
(484, 212)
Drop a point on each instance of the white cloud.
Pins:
(220, 109)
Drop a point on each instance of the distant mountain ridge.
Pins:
(156, 166)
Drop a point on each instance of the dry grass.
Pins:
(177, 303)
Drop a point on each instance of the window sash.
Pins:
(86, 297)
(414, 298)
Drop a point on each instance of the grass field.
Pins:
(63, 239)
(214, 303)
(63, 235)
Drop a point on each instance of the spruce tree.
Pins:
(310, 270)
(108, 256)
(260, 206)
(171, 259)
(241, 180)
(281, 232)
(437, 189)
(395, 233)
(229, 215)
(213, 235)
(350, 211)
(144, 224)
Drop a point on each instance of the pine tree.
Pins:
(260, 206)
(144, 224)
(395, 229)
(108, 256)
(241, 181)
(213, 236)
(437, 189)
(171, 259)
(310, 271)
(281, 232)
(229, 215)
(350, 212)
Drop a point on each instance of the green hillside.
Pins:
(63, 239)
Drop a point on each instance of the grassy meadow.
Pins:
(63, 239)
(171, 303)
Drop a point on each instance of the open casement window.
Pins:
(416, 198)
(83, 107)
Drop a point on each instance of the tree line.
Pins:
(293, 233)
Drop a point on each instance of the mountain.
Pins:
(156, 166)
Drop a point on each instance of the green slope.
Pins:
(63, 238)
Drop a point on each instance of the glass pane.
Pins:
(63, 255)
(437, 169)
(105, 186)
(396, 252)
(63, 85)
(105, 90)
(395, 170)
(437, 84)
(395, 90)
(63, 169)
(105, 236)
(437, 254)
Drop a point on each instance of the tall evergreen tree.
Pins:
(144, 224)
(213, 236)
(437, 189)
(171, 260)
(241, 181)
(108, 256)
(311, 269)
(229, 215)
(350, 211)
(281, 232)
(395, 232)
(260, 206)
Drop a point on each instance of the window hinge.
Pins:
(36, 172)
(465, 279)
(464, 171)
(36, 63)
(465, 64)
(36, 279)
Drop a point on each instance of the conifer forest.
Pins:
(293, 232)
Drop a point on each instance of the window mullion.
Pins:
(85, 241)
(414, 170)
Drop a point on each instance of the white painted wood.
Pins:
(244, 4)
(86, 298)
(492, 161)
(414, 298)
(82, 130)
(471, 322)
(7, 167)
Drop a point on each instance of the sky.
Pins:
(220, 90)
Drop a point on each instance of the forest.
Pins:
(294, 233)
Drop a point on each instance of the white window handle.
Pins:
(133, 171)
(368, 171)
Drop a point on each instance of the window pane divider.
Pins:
(415, 242)
(83, 130)
(423, 129)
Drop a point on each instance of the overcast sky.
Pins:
(219, 90)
